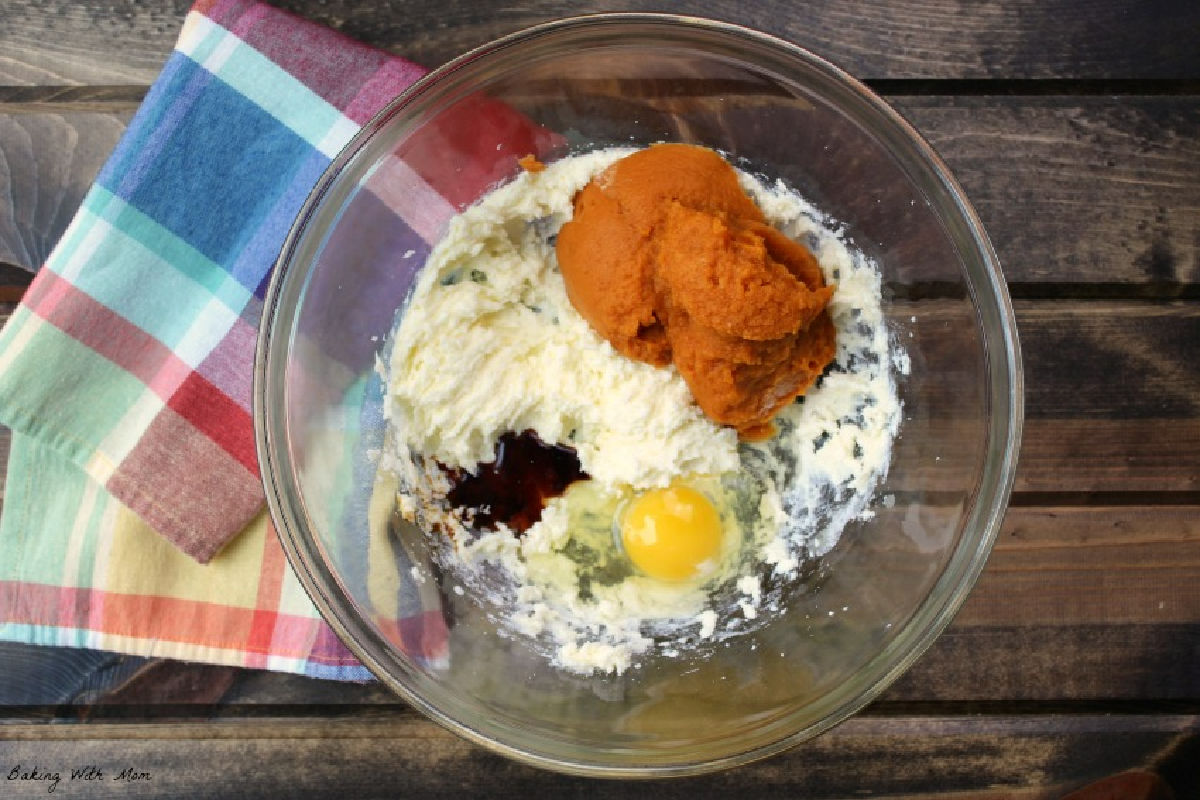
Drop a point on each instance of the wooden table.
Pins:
(1074, 126)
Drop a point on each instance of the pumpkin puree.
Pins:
(670, 260)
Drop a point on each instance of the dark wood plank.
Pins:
(64, 42)
(1073, 191)
(1087, 565)
(1065, 38)
(1113, 397)
(1075, 603)
(1078, 190)
(50, 676)
(76, 99)
(1121, 360)
(1013, 668)
(1096, 668)
(1083, 456)
(904, 757)
(47, 163)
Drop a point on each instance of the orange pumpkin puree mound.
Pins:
(671, 261)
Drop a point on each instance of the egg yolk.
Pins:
(672, 534)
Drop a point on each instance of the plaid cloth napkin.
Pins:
(133, 517)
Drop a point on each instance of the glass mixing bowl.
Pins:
(891, 584)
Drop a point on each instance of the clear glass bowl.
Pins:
(891, 585)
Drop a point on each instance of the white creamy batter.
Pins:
(489, 344)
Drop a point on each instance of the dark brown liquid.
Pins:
(515, 487)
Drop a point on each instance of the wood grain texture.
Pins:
(63, 42)
(66, 43)
(1078, 190)
(1078, 668)
(1078, 566)
(1084, 456)
(1112, 397)
(909, 39)
(47, 163)
(1123, 360)
(76, 99)
(987, 756)
(49, 676)
(1071, 190)
(1110, 402)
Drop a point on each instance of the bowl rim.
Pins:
(1006, 411)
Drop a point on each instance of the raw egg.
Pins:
(672, 534)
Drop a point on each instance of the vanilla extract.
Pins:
(514, 488)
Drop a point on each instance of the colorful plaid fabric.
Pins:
(83, 570)
(125, 373)
(146, 311)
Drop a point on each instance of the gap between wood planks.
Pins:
(125, 720)
(398, 719)
(15, 97)
(1032, 87)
